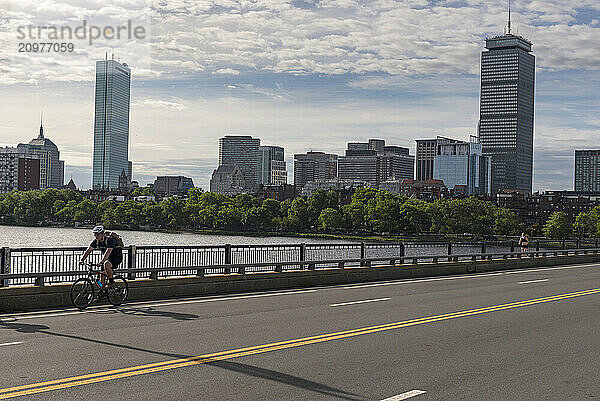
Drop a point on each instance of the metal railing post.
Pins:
(537, 246)
(2, 265)
(5, 269)
(227, 258)
(596, 242)
(483, 247)
(512, 245)
(131, 261)
(362, 253)
(302, 254)
(563, 244)
(577, 244)
(449, 248)
(402, 249)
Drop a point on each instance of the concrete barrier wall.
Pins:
(13, 299)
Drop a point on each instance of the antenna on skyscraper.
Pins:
(509, 17)
(41, 124)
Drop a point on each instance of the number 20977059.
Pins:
(46, 47)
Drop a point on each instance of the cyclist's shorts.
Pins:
(115, 261)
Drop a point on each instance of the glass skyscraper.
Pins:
(271, 165)
(506, 111)
(111, 124)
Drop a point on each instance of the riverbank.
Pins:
(262, 234)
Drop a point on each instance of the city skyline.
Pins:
(427, 86)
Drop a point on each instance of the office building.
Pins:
(18, 170)
(171, 185)
(277, 192)
(428, 190)
(271, 166)
(228, 180)
(426, 151)
(459, 163)
(334, 184)
(373, 162)
(312, 166)
(395, 163)
(52, 169)
(587, 170)
(507, 110)
(241, 150)
(359, 165)
(111, 124)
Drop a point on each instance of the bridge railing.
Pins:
(147, 262)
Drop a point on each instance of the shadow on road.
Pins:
(149, 311)
(227, 365)
(38, 328)
(284, 379)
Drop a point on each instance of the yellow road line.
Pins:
(236, 353)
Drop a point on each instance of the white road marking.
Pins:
(461, 277)
(533, 281)
(405, 396)
(361, 302)
(96, 309)
(15, 343)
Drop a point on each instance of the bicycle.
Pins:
(82, 290)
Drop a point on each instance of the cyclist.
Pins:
(112, 257)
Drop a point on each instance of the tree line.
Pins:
(369, 211)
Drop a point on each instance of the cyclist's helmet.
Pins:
(98, 230)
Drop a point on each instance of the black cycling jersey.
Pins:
(116, 256)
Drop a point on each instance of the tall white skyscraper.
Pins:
(111, 124)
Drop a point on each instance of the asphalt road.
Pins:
(520, 335)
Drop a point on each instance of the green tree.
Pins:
(299, 216)
(383, 212)
(129, 213)
(143, 191)
(228, 217)
(331, 219)
(557, 226)
(173, 210)
(355, 214)
(153, 214)
(461, 216)
(415, 216)
(58, 205)
(506, 222)
(85, 211)
(585, 225)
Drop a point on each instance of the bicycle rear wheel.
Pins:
(82, 293)
(117, 291)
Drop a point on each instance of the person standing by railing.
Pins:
(524, 242)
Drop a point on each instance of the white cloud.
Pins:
(157, 103)
(227, 71)
(302, 37)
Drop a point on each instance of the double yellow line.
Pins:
(259, 349)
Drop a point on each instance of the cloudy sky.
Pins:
(303, 74)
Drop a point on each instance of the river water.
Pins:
(44, 237)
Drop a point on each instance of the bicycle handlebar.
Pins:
(91, 266)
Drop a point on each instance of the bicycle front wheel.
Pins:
(82, 293)
(117, 291)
